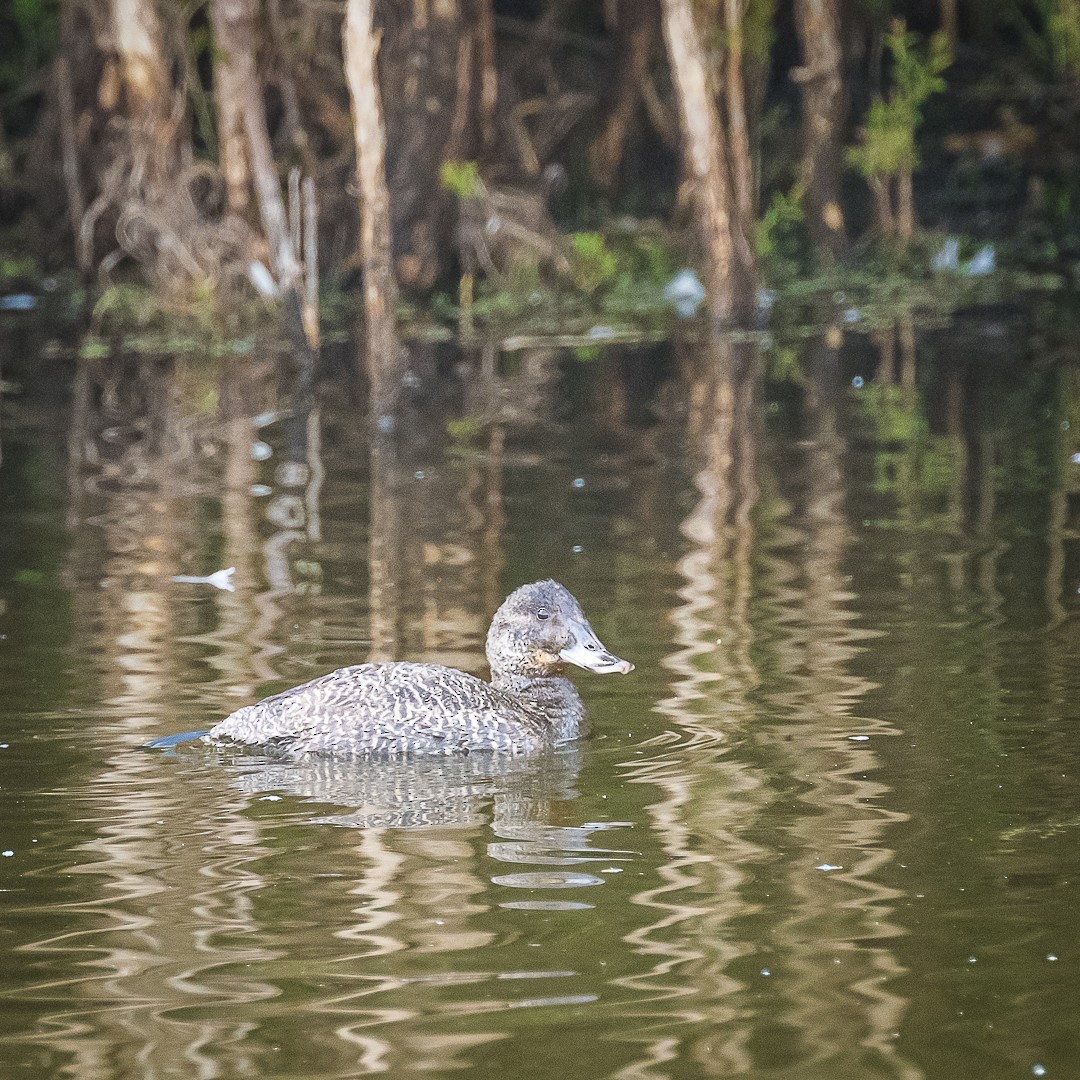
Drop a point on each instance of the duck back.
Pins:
(390, 708)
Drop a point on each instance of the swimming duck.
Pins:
(406, 708)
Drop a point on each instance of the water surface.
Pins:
(827, 829)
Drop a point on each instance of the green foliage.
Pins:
(36, 32)
(1063, 34)
(592, 262)
(462, 178)
(774, 234)
(889, 133)
(198, 322)
(758, 29)
(1048, 30)
(17, 266)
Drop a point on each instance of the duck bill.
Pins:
(587, 652)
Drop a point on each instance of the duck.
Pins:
(405, 708)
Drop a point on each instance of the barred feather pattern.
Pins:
(402, 708)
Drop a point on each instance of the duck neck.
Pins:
(555, 696)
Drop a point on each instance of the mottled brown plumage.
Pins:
(405, 708)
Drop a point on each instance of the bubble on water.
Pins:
(419, 474)
(260, 491)
(579, 482)
(1051, 957)
(766, 972)
(1075, 459)
(577, 549)
(260, 451)
(857, 382)
(1038, 1070)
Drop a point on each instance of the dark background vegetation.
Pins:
(544, 165)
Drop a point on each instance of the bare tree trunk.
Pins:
(950, 23)
(742, 163)
(883, 211)
(69, 151)
(380, 289)
(232, 154)
(905, 205)
(139, 44)
(823, 106)
(484, 18)
(635, 40)
(439, 90)
(703, 152)
(234, 27)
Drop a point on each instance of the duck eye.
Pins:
(543, 614)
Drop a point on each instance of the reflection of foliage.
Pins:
(784, 365)
(465, 431)
(889, 135)
(909, 462)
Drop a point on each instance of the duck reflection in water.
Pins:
(387, 709)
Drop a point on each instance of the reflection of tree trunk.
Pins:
(821, 79)
(703, 152)
(635, 40)
(380, 288)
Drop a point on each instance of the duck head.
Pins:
(539, 629)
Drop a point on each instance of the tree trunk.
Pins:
(144, 70)
(883, 211)
(234, 28)
(950, 24)
(380, 289)
(823, 106)
(635, 40)
(232, 154)
(703, 152)
(742, 164)
(439, 87)
(905, 205)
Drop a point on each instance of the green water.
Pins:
(827, 829)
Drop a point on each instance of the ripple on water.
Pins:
(547, 905)
(547, 879)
